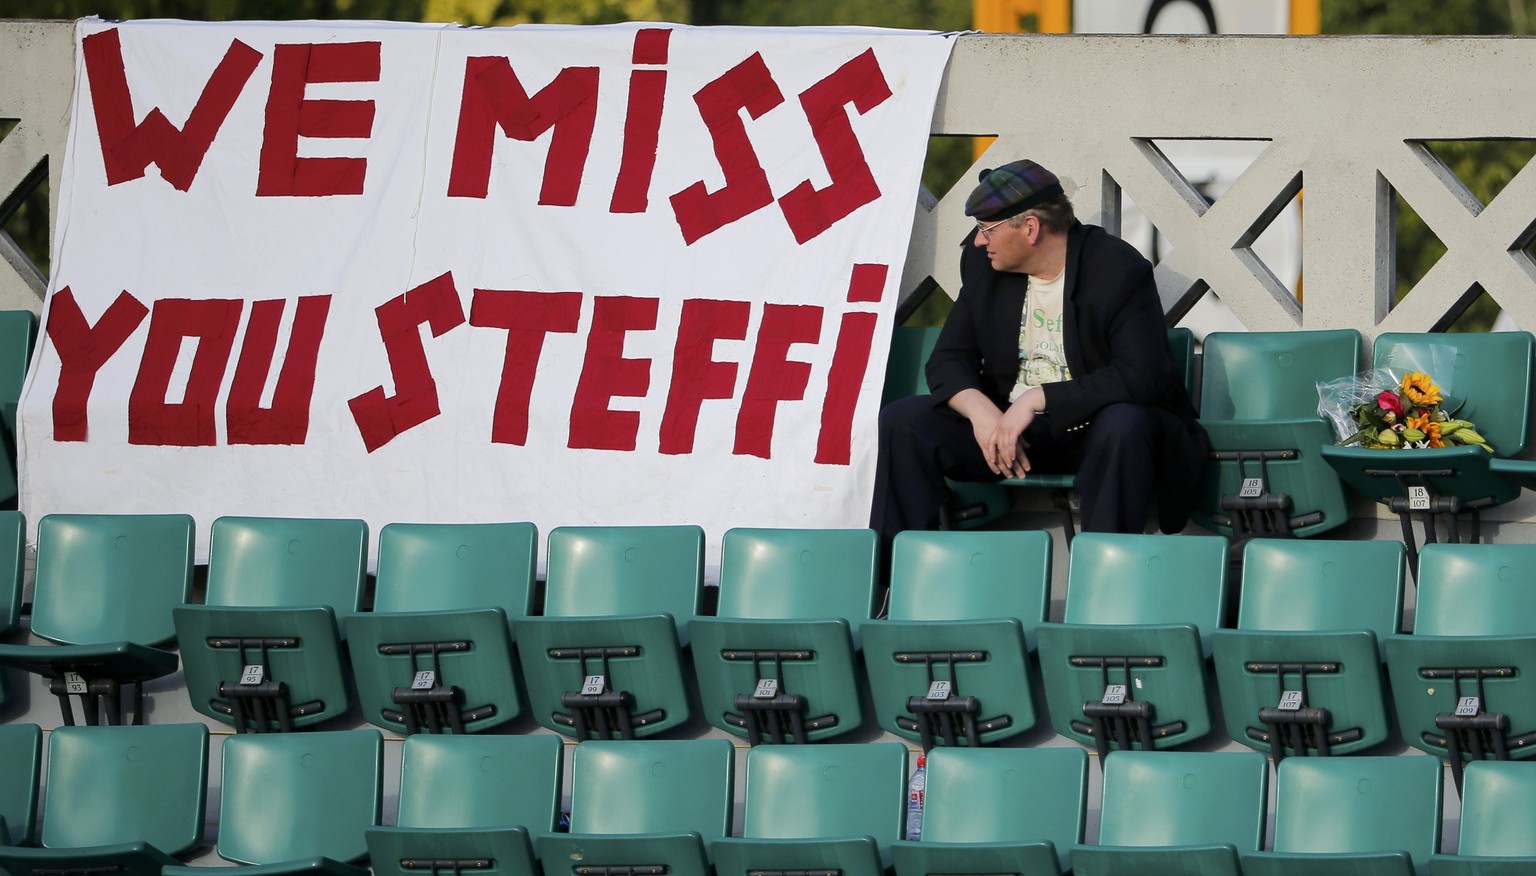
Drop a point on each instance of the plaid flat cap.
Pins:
(1010, 190)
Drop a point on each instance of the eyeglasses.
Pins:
(986, 230)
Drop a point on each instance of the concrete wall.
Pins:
(1344, 118)
(37, 74)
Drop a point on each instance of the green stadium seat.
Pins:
(1258, 403)
(104, 588)
(962, 614)
(818, 808)
(471, 803)
(1303, 672)
(297, 802)
(1442, 483)
(1465, 681)
(264, 652)
(1178, 811)
(18, 335)
(21, 761)
(1498, 800)
(13, 546)
(120, 800)
(605, 659)
(777, 662)
(435, 654)
(1127, 667)
(638, 805)
(1352, 816)
(998, 810)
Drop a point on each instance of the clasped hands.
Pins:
(1001, 435)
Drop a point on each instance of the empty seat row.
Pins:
(1131, 665)
(266, 648)
(132, 798)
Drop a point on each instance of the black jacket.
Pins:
(1115, 339)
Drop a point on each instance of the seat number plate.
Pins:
(1468, 707)
(1290, 701)
(426, 679)
(939, 691)
(1252, 488)
(74, 683)
(1418, 498)
(1114, 695)
(252, 674)
(594, 685)
(767, 689)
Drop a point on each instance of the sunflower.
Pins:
(1420, 389)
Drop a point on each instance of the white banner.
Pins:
(636, 274)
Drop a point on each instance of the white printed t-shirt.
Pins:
(1042, 358)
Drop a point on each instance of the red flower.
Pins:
(1390, 403)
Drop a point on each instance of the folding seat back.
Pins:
(797, 573)
(605, 659)
(1465, 681)
(1443, 483)
(1184, 807)
(121, 784)
(480, 781)
(818, 807)
(653, 786)
(998, 810)
(951, 663)
(647, 803)
(1498, 800)
(910, 348)
(1128, 665)
(435, 653)
(280, 562)
(105, 587)
(777, 662)
(456, 567)
(1303, 672)
(1258, 403)
(471, 803)
(295, 797)
(1359, 816)
(265, 652)
(120, 799)
(13, 544)
(21, 759)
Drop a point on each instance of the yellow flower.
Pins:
(1420, 389)
(1432, 432)
(1422, 423)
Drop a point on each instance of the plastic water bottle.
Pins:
(915, 789)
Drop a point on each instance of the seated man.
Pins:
(1080, 380)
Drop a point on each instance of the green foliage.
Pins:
(922, 14)
(508, 12)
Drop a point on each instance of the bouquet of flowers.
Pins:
(1382, 411)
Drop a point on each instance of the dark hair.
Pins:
(1055, 215)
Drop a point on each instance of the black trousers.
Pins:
(1115, 458)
